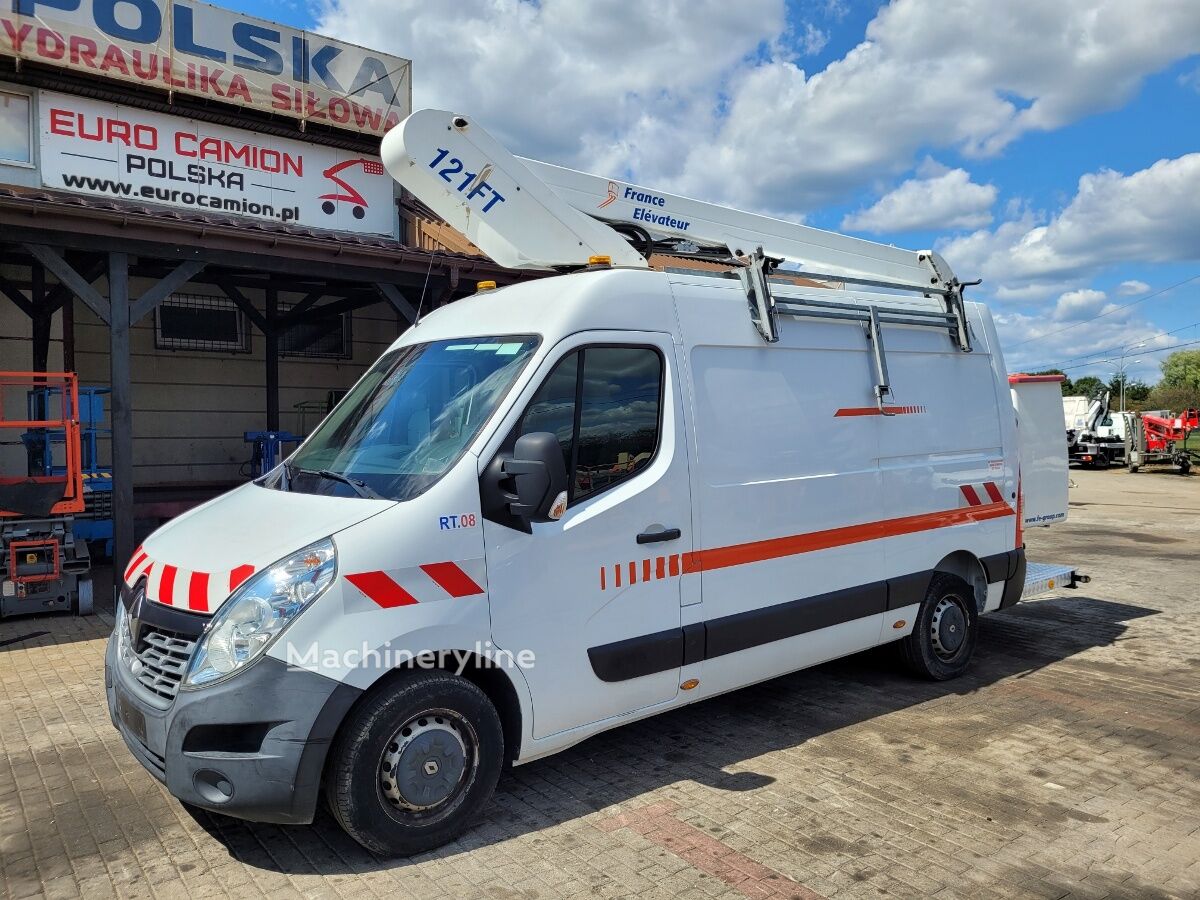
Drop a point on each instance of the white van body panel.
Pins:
(809, 523)
(1044, 477)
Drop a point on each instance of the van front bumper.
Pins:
(253, 747)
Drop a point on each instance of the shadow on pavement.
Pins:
(699, 742)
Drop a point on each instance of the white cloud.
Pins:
(942, 201)
(1132, 288)
(1080, 304)
(1150, 216)
(691, 96)
(973, 75)
(1191, 79)
(813, 40)
(608, 86)
(1035, 342)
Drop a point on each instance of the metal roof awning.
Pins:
(42, 216)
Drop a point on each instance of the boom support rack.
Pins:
(526, 214)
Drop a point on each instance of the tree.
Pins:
(1135, 391)
(1067, 386)
(1088, 386)
(1182, 370)
(1176, 399)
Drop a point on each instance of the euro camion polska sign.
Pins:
(207, 51)
(108, 150)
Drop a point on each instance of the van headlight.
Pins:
(258, 612)
(125, 651)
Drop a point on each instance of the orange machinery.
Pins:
(42, 566)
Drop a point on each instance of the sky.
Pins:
(1051, 149)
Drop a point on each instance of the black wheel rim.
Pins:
(948, 628)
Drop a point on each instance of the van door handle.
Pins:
(654, 537)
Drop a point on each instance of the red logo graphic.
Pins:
(612, 195)
(348, 193)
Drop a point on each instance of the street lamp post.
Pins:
(1121, 365)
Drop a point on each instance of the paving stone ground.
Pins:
(1066, 764)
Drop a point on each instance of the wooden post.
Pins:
(272, 354)
(122, 409)
(42, 317)
(68, 333)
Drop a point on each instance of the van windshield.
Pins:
(409, 419)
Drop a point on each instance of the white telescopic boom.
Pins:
(527, 214)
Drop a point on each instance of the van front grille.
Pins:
(164, 657)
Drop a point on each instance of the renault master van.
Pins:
(558, 507)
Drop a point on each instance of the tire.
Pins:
(414, 763)
(81, 603)
(944, 636)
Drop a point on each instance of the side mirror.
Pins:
(539, 477)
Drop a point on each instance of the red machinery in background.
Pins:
(1157, 440)
(42, 566)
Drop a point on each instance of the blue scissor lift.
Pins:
(95, 523)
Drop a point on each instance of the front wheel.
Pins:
(947, 628)
(414, 764)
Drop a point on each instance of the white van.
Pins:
(552, 509)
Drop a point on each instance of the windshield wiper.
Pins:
(360, 487)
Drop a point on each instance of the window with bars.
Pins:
(200, 322)
(327, 337)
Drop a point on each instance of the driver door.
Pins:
(599, 609)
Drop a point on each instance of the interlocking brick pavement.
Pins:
(1066, 764)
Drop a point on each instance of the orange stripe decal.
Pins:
(972, 497)
(993, 492)
(660, 567)
(603, 569)
(774, 548)
(853, 411)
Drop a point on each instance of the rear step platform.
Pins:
(1043, 577)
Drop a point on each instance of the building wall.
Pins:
(191, 408)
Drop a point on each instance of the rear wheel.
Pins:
(414, 764)
(81, 603)
(947, 628)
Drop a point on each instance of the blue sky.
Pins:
(1050, 148)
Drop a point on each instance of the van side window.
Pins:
(603, 403)
(553, 406)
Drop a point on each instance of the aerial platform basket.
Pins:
(56, 493)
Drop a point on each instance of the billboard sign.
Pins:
(194, 48)
(120, 152)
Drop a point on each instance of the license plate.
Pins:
(131, 717)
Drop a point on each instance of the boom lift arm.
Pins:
(527, 214)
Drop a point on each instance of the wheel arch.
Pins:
(967, 566)
(490, 677)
